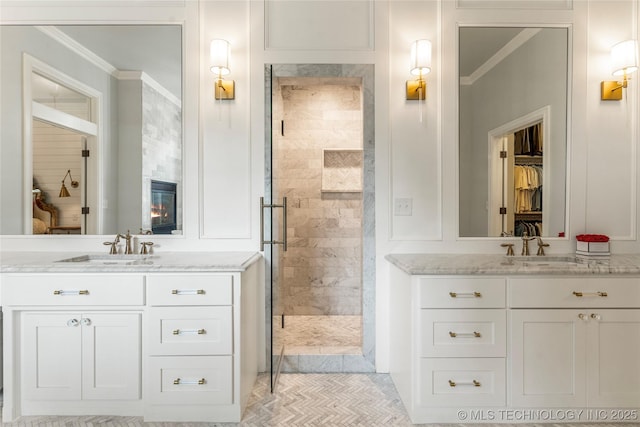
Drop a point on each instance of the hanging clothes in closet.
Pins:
(528, 188)
(528, 141)
(533, 228)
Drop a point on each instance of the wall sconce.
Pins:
(219, 63)
(420, 66)
(624, 61)
(63, 190)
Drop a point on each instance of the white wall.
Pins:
(224, 143)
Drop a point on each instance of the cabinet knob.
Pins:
(595, 316)
(583, 316)
(73, 322)
(86, 322)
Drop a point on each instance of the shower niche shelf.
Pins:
(342, 170)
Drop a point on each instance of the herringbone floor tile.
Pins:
(301, 400)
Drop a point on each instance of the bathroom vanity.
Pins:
(171, 337)
(489, 338)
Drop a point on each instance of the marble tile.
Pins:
(362, 207)
(320, 363)
(300, 400)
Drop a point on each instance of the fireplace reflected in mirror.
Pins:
(163, 207)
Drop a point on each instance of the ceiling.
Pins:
(478, 44)
(154, 49)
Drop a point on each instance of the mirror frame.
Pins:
(568, 122)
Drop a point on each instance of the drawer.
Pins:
(462, 292)
(191, 380)
(72, 289)
(463, 333)
(575, 292)
(190, 289)
(462, 382)
(191, 330)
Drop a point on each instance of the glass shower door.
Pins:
(273, 223)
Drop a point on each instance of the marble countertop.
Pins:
(474, 264)
(53, 262)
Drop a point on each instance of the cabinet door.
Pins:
(548, 361)
(613, 358)
(111, 356)
(51, 356)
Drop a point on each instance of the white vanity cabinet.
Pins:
(175, 345)
(585, 352)
(448, 344)
(476, 348)
(194, 339)
(72, 343)
(80, 356)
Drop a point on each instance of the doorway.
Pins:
(319, 158)
(508, 163)
(60, 128)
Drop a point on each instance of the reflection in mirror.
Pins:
(512, 131)
(99, 106)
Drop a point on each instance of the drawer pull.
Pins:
(63, 292)
(473, 383)
(473, 334)
(179, 381)
(465, 294)
(187, 291)
(189, 331)
(590, 294)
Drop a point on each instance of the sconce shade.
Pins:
(624, 58)
(64, 192)
(420, 57)
(219, 57)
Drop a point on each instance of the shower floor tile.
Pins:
(322, 334)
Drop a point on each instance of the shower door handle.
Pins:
(282, 242)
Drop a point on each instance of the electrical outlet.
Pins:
(403, 206)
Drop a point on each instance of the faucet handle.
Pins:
(541, 246)
(145, 246)
(509, 247)
(114, 249)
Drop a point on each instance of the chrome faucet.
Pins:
(127, 238)
(525, 243)
(541, 246)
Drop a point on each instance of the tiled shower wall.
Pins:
(161, 148)
(322, 269)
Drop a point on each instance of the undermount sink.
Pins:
(546, 260)
(109, 259)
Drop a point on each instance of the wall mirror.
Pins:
(91, 132)
(512, 130)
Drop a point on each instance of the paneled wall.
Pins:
(56, 150)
